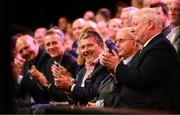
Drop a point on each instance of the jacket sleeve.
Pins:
(88, 92)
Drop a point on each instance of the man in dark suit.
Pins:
(35, 57)
(59, 61)
(87, 82)
(149, 80)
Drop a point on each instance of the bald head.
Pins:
(126, 31)
(27, 47)
(77, 26)
(125, 42)
(39, 35)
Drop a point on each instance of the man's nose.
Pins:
(132, 30)
(86, 48)
(51, 46)
(24, 52)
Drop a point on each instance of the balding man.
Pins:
(126, 16)
(39, 35)
(35, 57)
(77, 26)
(109, 90)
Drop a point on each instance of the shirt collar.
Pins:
(176, 29)
(128, 59)
(147, 42)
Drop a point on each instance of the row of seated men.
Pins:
(140, 72)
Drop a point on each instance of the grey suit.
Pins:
(174, 37)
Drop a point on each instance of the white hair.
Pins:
(116, 20)
(57, 31)
(150, 14)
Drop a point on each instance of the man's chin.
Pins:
(89, 60)
(53, 56)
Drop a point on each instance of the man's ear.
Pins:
(150, 25)
(102, 46)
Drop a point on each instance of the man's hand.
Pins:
(17, 67)
(36, 74)
(64, 82)
(91, 105)
(58, 71)
(110, 60)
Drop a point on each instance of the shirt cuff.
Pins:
(19, 79)
(49, 85)
(115, 68)
(72, 87)
(100, 103)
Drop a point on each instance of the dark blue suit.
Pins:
(29, 85)
(87, 93)
(69, 62)
(149, 81)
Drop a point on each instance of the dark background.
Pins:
(30, 14)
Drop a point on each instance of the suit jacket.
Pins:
(28, 84)
(69, 62)
(149, 81)
(176, 44)
(84, 94)
(174, 37)
(167, 30)
(109, 91)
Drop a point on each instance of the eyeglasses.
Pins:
(120, 40)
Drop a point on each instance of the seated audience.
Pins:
(149, 80)
(109, 90)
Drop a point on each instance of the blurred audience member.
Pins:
(113, 26)
(103, 14)
(62, 23)
(162, 10)
(126, 16)
(137, 3)
(39, 35)
(147, 3)
(118, 8)
(77, 26)
(174, 18)
(103, 30)
(89, 15)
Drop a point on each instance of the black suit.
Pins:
(89, 91)
(30, 85)
(109, 90)
(149, 81)
(69, 62)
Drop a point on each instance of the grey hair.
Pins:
(131, 10)
(150, 14)
(57, 31)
